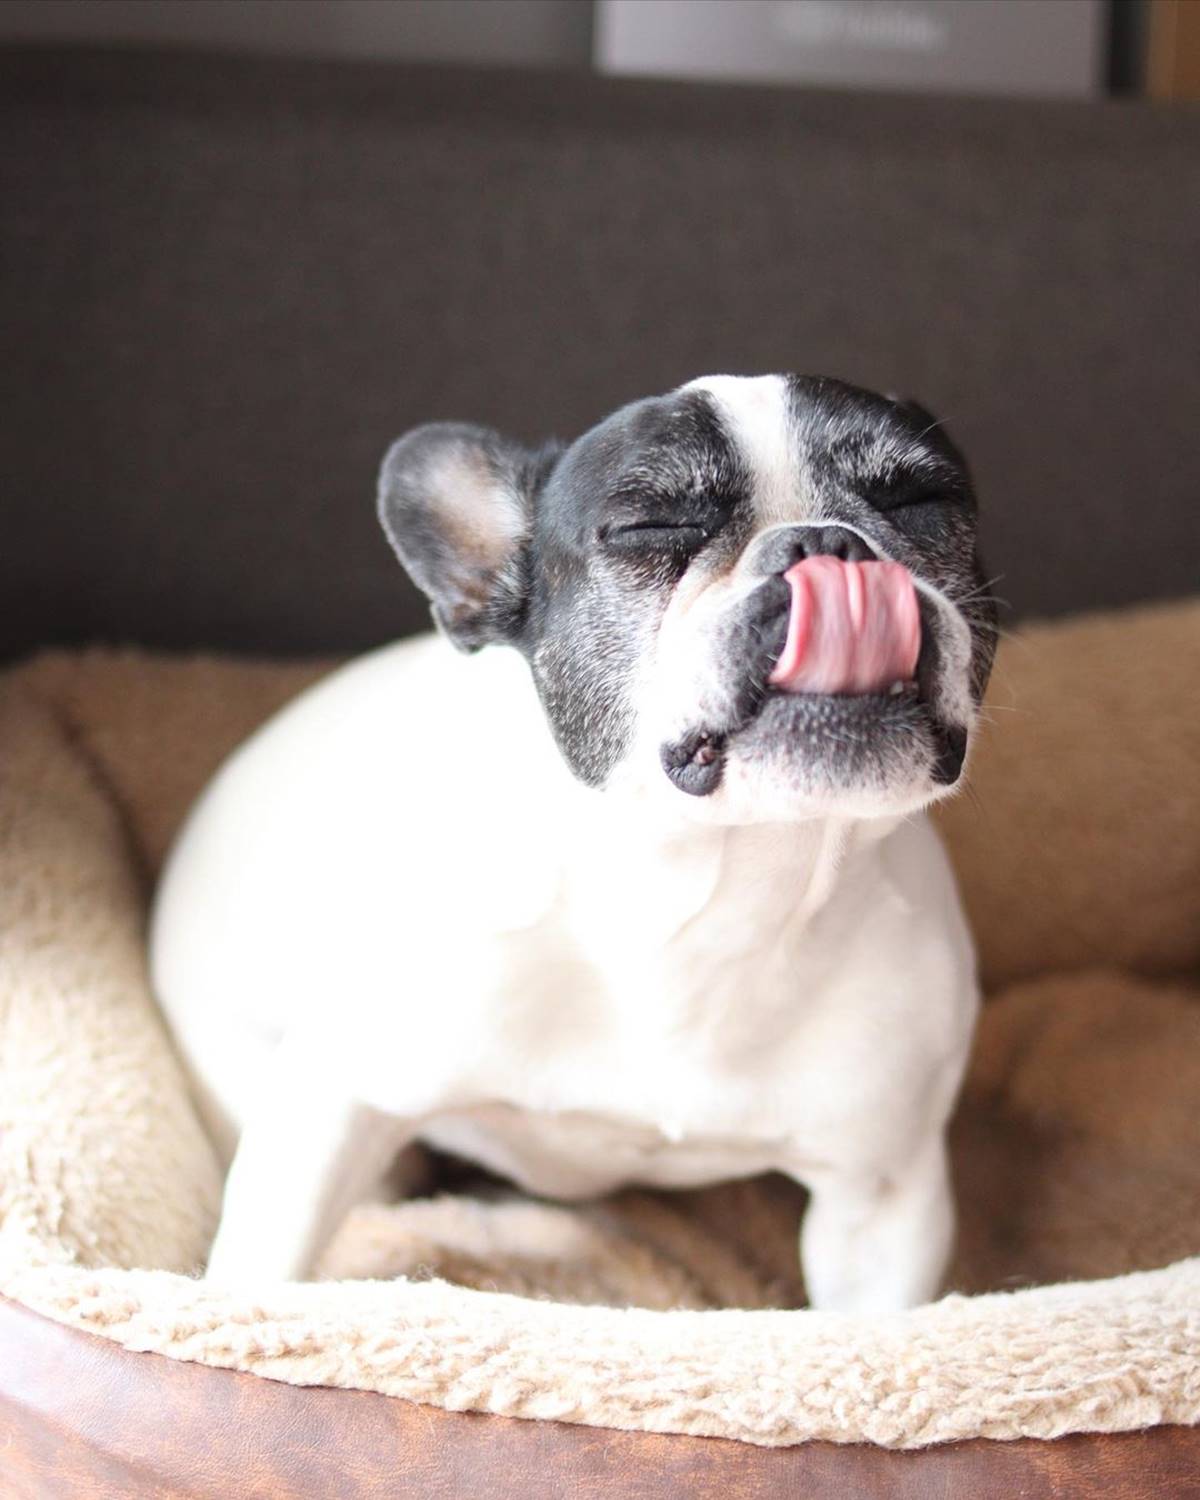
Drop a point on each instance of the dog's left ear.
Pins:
(456, 503)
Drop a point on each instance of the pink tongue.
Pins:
(854, 627)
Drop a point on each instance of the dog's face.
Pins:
(758, 599)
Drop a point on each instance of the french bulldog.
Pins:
(637, 885)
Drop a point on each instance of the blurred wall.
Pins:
(546, 32)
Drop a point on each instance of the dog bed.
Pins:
(1075, 1293)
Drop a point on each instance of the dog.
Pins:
(637, 886)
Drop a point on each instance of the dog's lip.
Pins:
(821, 715)
(838, 705)
(901, 688)
(695, 763)
(814, 717)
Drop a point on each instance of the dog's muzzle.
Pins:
(829, 626)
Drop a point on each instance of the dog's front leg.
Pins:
(307, 1154)
(877, 1241)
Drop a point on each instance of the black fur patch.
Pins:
(595, 604)
(890, 467)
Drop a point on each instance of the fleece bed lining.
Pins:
(1075, 1302)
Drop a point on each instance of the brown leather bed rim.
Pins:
(80, 1416)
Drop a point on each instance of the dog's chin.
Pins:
(804, 755)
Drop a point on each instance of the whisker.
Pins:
(942, 421)
(970, 792)
(1001, 708)
(986, 627)
(982, 592)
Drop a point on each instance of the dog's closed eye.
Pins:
(654, 536)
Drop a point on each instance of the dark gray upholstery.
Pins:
(228, 284)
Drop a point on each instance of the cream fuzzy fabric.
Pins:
(1077, 1148)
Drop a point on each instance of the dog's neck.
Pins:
(708, 937)
(656, 886)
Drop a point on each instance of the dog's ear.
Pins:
(456, 503)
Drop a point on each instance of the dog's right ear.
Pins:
(456, 503)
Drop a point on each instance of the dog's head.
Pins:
(758, 598)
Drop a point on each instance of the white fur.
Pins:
(756, 411)
(369, 932)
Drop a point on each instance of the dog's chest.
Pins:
(671, 1066)
(669, 1069)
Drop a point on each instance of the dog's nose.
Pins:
(834, 541)
(779, 550)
